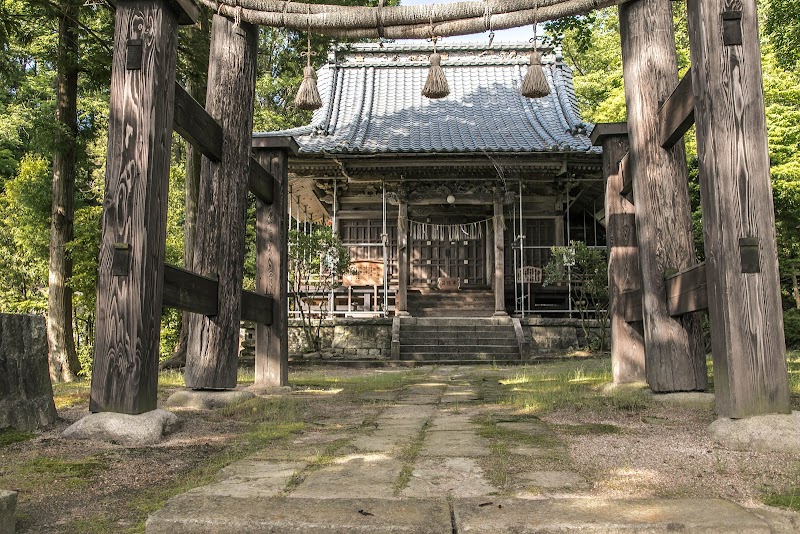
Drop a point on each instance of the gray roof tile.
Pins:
(376, 106)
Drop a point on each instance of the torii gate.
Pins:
(134, 283)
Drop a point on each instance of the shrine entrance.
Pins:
(450, 247)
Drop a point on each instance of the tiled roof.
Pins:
(372, 104)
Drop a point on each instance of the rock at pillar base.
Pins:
(763, 433)
(147, 428)
(26, 396)
(8, 508)
(207, 399)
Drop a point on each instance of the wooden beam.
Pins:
(195, 125)
(632, 305)
(286, 143)
(676, 115)
(602, 131)
(674, 348)
(189, 291)
(131, 274)
(627, 180)
(686, 291)
(747, 339)
(627, 344)
(257, 307)
(213, 344)
(272, 271)
(261, 182)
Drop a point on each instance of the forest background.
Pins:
(55, 58)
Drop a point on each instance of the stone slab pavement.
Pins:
(421, 467)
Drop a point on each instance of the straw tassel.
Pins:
(308, 95)
(436, 83)
(535, 83)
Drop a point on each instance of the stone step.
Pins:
(456, 356)
(431, 345)
(196, 513)
(468, 329)
(453, 321)
(465, 342)
(449, 313)
(453, 338)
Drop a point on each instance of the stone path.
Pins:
(426, 463)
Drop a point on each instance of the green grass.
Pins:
(408, 455)
(588, 429)
(567, 385)
(69, 394)
(47, 470)
(10, 435)
(379, 380)
(790, 501)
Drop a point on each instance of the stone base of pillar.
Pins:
(402, 313)
(500, 314)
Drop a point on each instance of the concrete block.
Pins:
(8, 509)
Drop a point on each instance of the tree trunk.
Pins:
(64, 363)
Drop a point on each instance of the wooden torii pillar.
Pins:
(747, 340)
(213, 347)
(131, 268)
(627, 345)
(674, 346)
(272, 261)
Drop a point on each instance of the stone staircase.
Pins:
(462, 303)
(458, 339)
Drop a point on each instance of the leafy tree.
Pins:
(586, 270)
(317, 261)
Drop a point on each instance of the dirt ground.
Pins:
(624, 445)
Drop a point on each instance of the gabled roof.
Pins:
(372, 104)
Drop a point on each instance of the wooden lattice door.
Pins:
(462, 258)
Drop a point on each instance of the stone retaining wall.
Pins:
(556, 334)
(367, 339)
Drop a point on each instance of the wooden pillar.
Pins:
(627, 345)
(211, 358)
(401, 299)
(674, 346)
(750, 375)
(131, 270)
(272, 263)
(499, 255)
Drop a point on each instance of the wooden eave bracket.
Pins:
(280, 143)
(604, 130)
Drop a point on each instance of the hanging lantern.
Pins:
(308, 94)
(436, 83)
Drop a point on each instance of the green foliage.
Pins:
(791, 327)
(317, 261)
(783, 28)
(586, 270)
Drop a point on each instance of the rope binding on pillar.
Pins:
(534, 85)
(308, 94)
